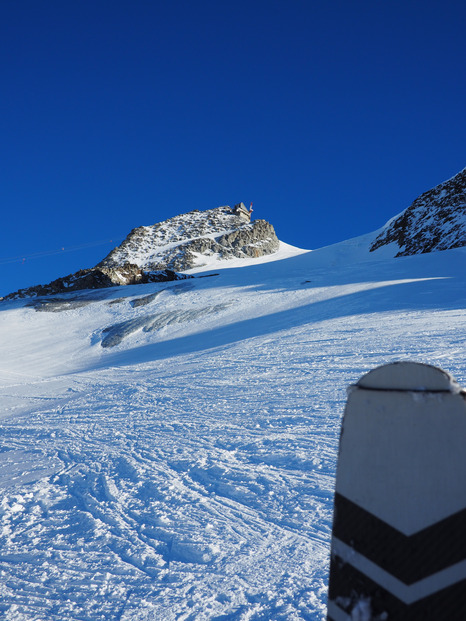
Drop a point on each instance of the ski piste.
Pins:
(399, 530)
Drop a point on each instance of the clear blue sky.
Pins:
(332, 116)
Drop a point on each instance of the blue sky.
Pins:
(331, 116)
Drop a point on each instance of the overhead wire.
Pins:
(22, 258)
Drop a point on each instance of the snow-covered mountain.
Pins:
(158, 252)
(190, 239)
(435, 221)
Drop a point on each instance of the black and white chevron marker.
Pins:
(399, 530)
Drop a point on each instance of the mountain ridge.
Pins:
(435, 221)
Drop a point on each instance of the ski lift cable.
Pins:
(45, 253)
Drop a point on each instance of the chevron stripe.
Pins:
(409, 559)
(407, 594)
(348, 584)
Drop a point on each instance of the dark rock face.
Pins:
(435, 221)
(180, 242)
(97, 278)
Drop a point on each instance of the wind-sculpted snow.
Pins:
(188, 473)
(148, 299)
(145, 300)
(64, 303)
(114, 335)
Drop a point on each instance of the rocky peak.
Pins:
(185, 241)
(435, 221)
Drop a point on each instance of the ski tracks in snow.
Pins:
(196, 487)
(171, 486)
(199, 485)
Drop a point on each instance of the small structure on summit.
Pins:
(241, 210)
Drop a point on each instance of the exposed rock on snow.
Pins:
(179, 243)
(174, 289)
(53, 304)
(98, 278)
(435, 221)
(114, 335)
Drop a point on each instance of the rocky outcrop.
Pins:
(97, 278)
(251, 241)
(180, 243)
(435, 221)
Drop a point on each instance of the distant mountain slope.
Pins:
(199, 239)
(155, 253)
(435, 221)
(180, 243)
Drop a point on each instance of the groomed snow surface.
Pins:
(187, 471)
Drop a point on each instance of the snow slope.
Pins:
(186, 470)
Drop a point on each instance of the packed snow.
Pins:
(186, 471)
